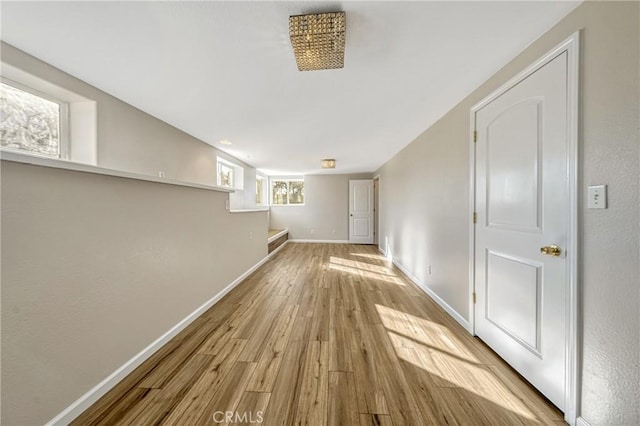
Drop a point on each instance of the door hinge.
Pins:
(475, 136)
(474, 297)
(475, 217)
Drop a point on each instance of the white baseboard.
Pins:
(444, 305)
(86, 400)
(320, 241)
(582, 422)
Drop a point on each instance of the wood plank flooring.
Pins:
(323, 334)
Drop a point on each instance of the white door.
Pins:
(522, 203)
(361, 211)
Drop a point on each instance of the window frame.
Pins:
(232, 172)
(64, 140)
(263, 182)
(237, 173)
(288, 181)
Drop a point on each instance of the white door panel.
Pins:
(361, 227)
(522, 202)
(361, 211)
(512, 179)
(361, 198)
(513, 298)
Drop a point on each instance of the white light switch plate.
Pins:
(597, 197)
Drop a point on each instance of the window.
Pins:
(261, 190)
(225, 175)
(287, 192)
(230, 175)
(31, 122)
(40, 118)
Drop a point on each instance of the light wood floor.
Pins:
(324, 334)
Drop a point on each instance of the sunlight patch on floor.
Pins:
(366, 274)
(433, 348)
(424, 332)
(450, 371)
(370, 256)
(362, 265)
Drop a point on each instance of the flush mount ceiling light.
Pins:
(225, 142)
(328, 163)
(318, 40)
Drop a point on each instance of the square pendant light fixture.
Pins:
(318, 40)
(328, 163)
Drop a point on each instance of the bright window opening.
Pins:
(225, 175)
(287, 192)
(40, 118)
(261, 190)
(230, 175)
(31, 122)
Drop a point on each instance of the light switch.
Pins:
(597, 197)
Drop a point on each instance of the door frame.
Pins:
(372, 206)
(573, 348)
(376, 209)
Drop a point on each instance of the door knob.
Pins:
(552, 250)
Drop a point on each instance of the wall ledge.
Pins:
(278, 235)
(260, 209)
(17, 157)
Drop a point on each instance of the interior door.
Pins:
(361, 211)
(522, 203)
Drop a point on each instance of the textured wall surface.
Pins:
(325, 214)
(425, 193)
(610, 238)
(95, 268)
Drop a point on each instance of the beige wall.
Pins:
(325, 214)
(425, 195)
(95, 268)
(133, 141)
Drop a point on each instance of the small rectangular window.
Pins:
(260, 191)
(230, 175)
(30, 122)
(287, 192)
(296, 192)
(225, 175)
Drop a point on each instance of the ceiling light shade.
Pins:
(318, 40)
(328, 163)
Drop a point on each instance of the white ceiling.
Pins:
(225, 70)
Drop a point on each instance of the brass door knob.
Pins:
(552, 250)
